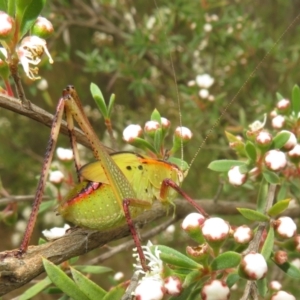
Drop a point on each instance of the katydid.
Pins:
(115, 189)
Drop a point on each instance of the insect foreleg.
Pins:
(169, 183)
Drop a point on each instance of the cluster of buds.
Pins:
(16, 48)
(203, 82)
(266, 153)
(155, 131)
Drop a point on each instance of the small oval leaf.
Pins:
(268, 244)
(232, 279)
(226, 260)
(93, 269)
(34, 290)
(289, 269)
(253, 215)
(280, 139)
(251, 151)
(278, 207)
(175, 258)
(224, 165)
(271, 177)
(296, 100)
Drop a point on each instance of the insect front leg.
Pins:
(169, 183)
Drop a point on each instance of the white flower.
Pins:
(150, 23)
(30, 52)
(278, 122)
(285, 227)
(55, 232)
(275, 160)
(235, 177)
(204, 81)
(150, 289)
(64, 154)
(215, 289)
(258, 125)
(131, 132)
(275, 285)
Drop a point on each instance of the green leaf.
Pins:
(232, 279)
(270, 177)
(262, 286)
(93, 269)
(88, 287)
(226, 260)
(45, 205)
(3, 5)
(35, 289)
(289, 269)
(280, 139)
(296, 100)
(158, 139)
(30, 15)
(251, 151)
(155, 116)
(175, 258)
(282, 193)
(115, 293)
(111, 104)
(279, 96)
(253, 215)
(268, 244)
(262, 195)
(99, 99)
(191, 277)
(278, 207)
(224, 165)
(62, 281)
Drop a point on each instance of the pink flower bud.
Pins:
(278, 122)
(131, 132)
(263, 138)
(253, 266)
(165, 123)
(192, 221)
(235, 177)
(150, 288)
(7, 26)
(215, 289)
(275, 160)
(243, 234)
(173, 285)
(285, 227)
(282, 295)
(42, 28)
(283, 104)
(215, 229)
(151, 126)
(280, 257)
(275, 285)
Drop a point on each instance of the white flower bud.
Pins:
(295, 152)
(204, 81)
(42, 28)
(215, 229)
(282, 295)
(235, 177)
(55, 232)
(253, 266)
(278, 122)
(285, 227)
(204, 93)
(131, 132)
(7, 25)
(150, 288)
(292, 141)
(173, 285)
(192, 220)
(283, 104)
(275, 160)
(264, 138)
(275, 285)
(215, 289)
(64, 154)
(183, 133)
(56, 177)
(207, 27)
(243, 234)
(165, 123)
(118, 276)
